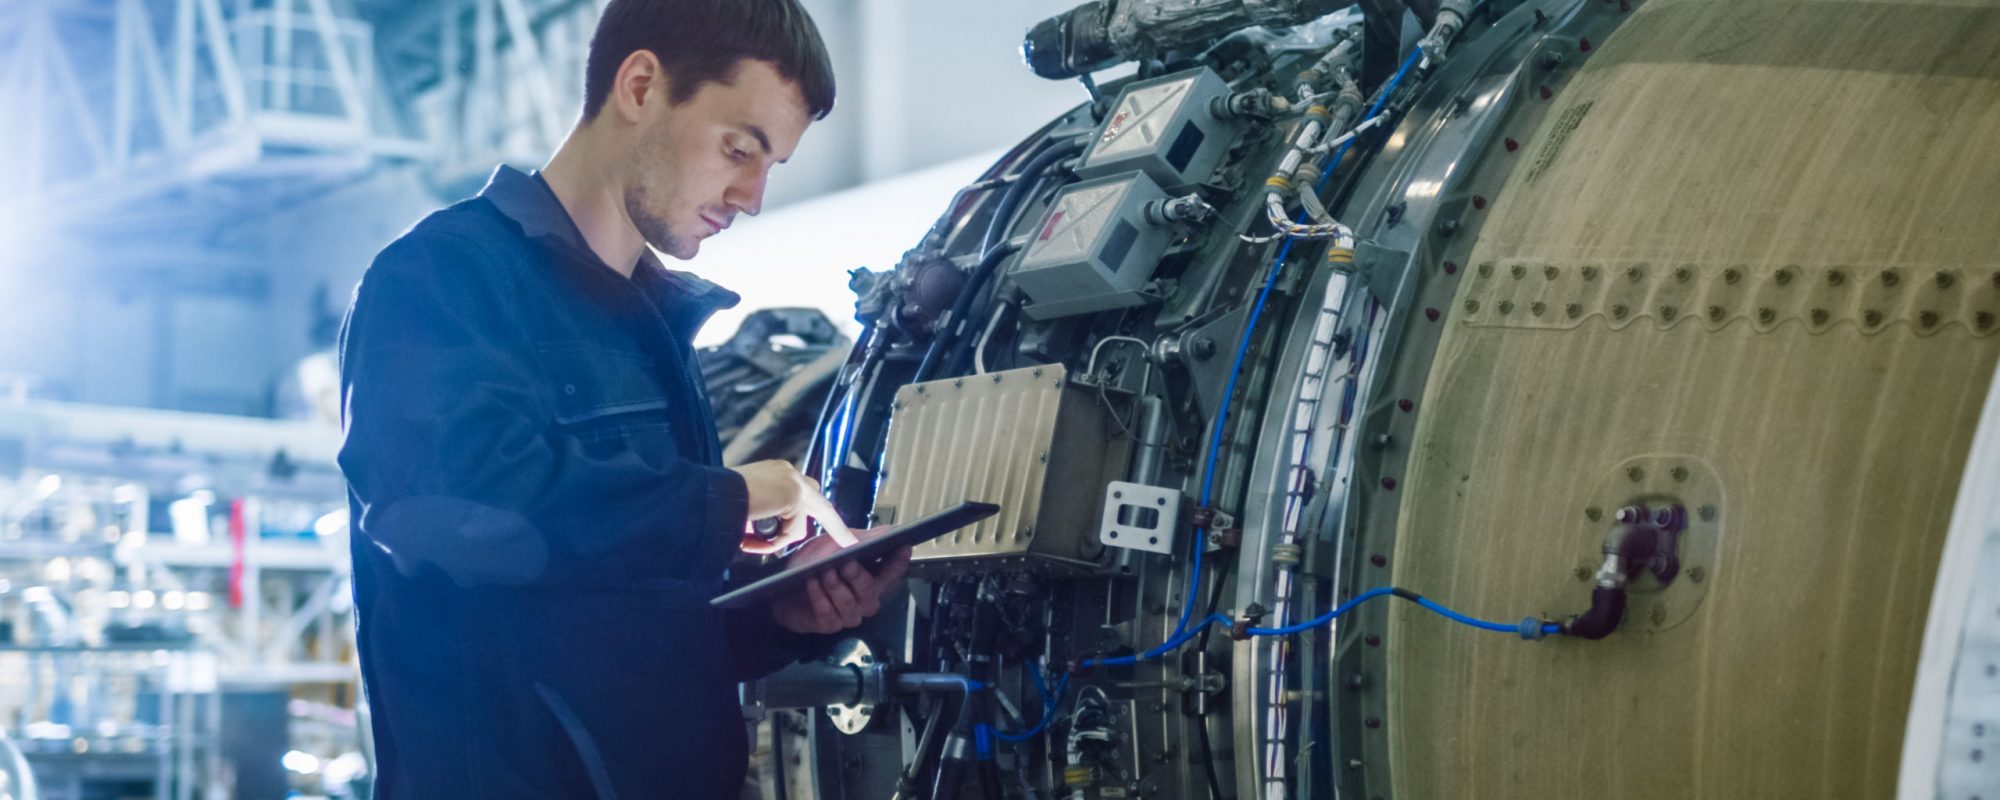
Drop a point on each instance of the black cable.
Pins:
(960, 308)
(778, 753)
(994, 247)
(1201, 720)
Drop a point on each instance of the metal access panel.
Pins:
(1027, 440)
(1095, 250)
(1165, 127)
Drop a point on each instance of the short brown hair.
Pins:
(703, 41)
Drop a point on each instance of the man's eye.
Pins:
(738, 156)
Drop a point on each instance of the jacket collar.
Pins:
(525, 198)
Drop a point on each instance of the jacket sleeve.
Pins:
(447, 452)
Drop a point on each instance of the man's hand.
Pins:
(839, 598)
(777, 489)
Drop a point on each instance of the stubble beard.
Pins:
(654, 227)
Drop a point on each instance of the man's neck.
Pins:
(595, 202)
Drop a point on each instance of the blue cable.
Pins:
(1229, 390)
(1050, 701)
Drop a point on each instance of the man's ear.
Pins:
(641, 81)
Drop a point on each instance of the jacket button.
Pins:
(569, 388)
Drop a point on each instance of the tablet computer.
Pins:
(870, 551)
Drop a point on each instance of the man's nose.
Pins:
(746, 195)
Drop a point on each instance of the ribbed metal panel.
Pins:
(1027, 440)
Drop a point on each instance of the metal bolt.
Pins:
(1518, 271)
(1405, 405)
(1659, 615)
(1537, 308)
(996, 377)
(1382, 441)
(1593, 513)
(1432, 314)
(1573, 310)
(1486, 270)
(1619, 311)
(1715, 313)
(1731, 276)
(1550, 272)
(1871, 318)
(1890, 277)
(1357, 681)
(1636, 474)
(1945, 280)
(1707, 513)
(1478, 201)
(1627, 514)
(1680, 475)
(1767, 315)
(1928, 319)
(1472, 306)
(1581, 573)
(1451, 268)
(1633, 274)
(1697, 574)
(1982, 320)
(1836, 278)
(1683, 274)
(1590, 273)
(1372, 723)
(1512, 145)
(1379, 560)
(1389, 484)
(1506, 306)
(1784, 276)
(1447, 227)
(1551, 59)
(1819, 316)
(1667, 313)
(1372, 640)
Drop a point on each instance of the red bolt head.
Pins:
(1389, 484)
(1372, 722)
(1624, 6)
(1431, 314)
(1451, 268)
(1378, 560)
(1547, 93)
(1583, 46)
(1405, 404)
(1512, 145)
(1373, 640)
(1478, 201)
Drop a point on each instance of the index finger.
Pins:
(829, 520)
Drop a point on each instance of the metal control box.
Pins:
(1165, 127)
(1095, 250)
(1027, 440)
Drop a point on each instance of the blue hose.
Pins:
(1229, 390)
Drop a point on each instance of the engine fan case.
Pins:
(1756, 240)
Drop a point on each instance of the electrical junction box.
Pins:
(1094, 251)
(1029, 440)
(1165, 127)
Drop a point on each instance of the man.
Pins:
(540, 510)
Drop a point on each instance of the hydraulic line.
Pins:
(1229, 391)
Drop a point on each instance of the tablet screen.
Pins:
(869, 550)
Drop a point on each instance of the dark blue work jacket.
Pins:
(540, 516)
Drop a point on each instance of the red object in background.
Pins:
(236, 553)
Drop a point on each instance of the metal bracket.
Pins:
(1140, 517)
(1383, 270)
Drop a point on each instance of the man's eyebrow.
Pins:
(757, 133)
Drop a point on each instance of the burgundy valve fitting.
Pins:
(1644, 539)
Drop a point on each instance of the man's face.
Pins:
(701, 163)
